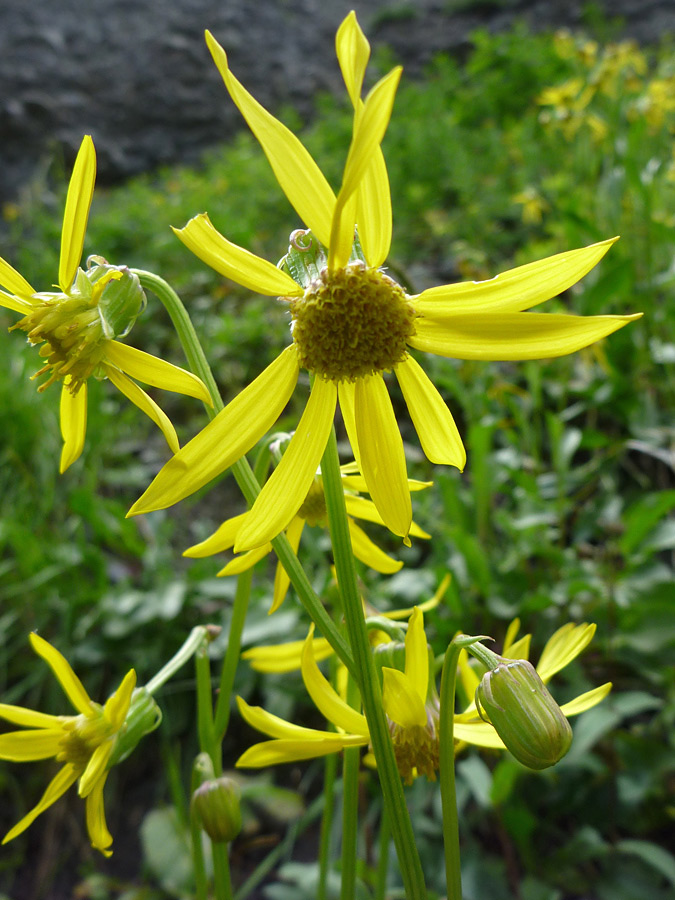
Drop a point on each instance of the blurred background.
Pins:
(519, 130)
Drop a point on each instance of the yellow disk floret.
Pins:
(351, 323)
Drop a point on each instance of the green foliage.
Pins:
(564, 511)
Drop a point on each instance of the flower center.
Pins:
(83, 734)
(313, 510)
(351, 323)
(417, 748)
(72, 333)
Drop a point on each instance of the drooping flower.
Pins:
(312, 513)
(352, 323)
(410, 703)
(84, 743)
(79, 321)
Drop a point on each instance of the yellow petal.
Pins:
(145, 403)
(353, 51)
(505, 336)
(100, 837)
(276, 727)
(478, 733)
(30, 718)
(431, 603)
(373, 209)
(68, 680)
(511, 632)
(73, 418)
(402, 703)
(468, 677)
(56, 788)
(15, 283)
(286, 489)
(298, 175)
(233, 261)
(155, 371)
(346, 394)
(586, 701)
(514, 290)
(520, 649)
(26, 746)
(417, 655)
(224, 440)
(221, 539)
(245, 561)
(281, 579)
(326, 699)
(431, 417)
(382, 457)
(117, 706)
(370, 124)
(78, 201)
(562, 647)
(369, 553)
(96, 767)
(271, 753)
(285, 657)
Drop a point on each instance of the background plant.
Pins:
(565, 510)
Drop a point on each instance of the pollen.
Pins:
(351, 323)
(416, 749)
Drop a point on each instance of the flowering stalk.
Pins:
(367, 680)
(241, 469)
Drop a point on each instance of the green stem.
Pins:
(329, 772)
(221, 871)
(241, 469)
(367, 680)
(350, 806)
(229, 670)
(207, 737)
(198, 864)
(194, 641)
(446, 728)
(383, 858)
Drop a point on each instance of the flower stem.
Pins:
(247, 482)
(446, 727)
(366, 677)
(350, 806)
(329, 771)
(229, 670)
(194, 641)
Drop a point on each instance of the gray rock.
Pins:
(138, 77)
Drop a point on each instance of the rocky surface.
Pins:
(137, 75)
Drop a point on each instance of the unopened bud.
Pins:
(215, 803)
(117, 292)
(143, 717)
(514, 699)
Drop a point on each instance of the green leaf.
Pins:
(654, 855)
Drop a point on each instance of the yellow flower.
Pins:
(312, 512)
(410, 703)
(351, 323)
(83, 743)
(79, 322)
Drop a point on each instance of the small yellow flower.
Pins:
(410, 703)
(77, 324)
(533, 204)
(83, 743)
(313, 513)
(351, 323)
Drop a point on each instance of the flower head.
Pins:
(78, 323)
(410, 702)
(87, 743)
(312, 513)
(352, 324)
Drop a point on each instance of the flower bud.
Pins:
(143, 717)
(215, 803)
(117, 292)
(514, 699)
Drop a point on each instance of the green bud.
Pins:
(514, 699)
(120, 297)
(215, 803)
(305, 259)
(143, 717)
